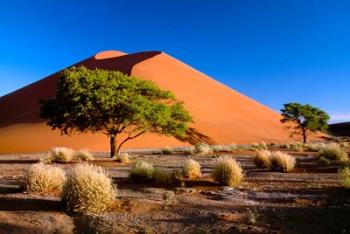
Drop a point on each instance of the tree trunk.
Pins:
(304, 136)
(112, 144)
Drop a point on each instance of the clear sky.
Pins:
(273, 51)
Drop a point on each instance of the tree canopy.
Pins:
(96, 100)
(306, 118)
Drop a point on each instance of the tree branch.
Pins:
(129, 138)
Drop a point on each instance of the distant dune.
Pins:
(340, 129)
(221, 114)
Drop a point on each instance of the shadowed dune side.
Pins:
(221, 115)
(340, 129)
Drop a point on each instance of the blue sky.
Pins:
(273, 51)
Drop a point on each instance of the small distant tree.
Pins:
(306, 118)
(113, 103)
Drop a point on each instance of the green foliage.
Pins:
(112, 103)
(345, 177)
(306, 117)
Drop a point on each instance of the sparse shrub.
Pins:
(141, 171)
(296, 146)
(41, 178)
(83, 156)
(192, 169)
(282, 162)
(88, 189)
(345, 177)
(167, 151)
(203, 149)
(251, 147)
(262, 159)
(325, 161)
(227, 171)
(189, 151)
(162, 176)
(223, 148)
(333, 151)
(60, 155)
(315, 146)
(168, 197)
(344, 145)
(259, 146)
(122, 157)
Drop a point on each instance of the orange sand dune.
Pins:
(221, 114)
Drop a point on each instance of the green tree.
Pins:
(113, 103)
(306, 118)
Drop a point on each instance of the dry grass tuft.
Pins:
(192, 169)
(162, 176)
(227, 171)
(42, 179)
(83, 156)
(122, 157)
(262, 159)
(141, 171)
(88, 189)
(60, 155)
(259, 146)
(333, 151)
(282, 162)
(223, 148)
(189, 151)
(203, 149)
(345, 177)
(167, 150)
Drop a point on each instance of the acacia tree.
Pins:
(113, 103)
(306, 118)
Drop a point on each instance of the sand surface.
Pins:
(308, 200)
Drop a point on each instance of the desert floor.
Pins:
(308, 200)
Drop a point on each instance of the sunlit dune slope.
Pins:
(221, 114)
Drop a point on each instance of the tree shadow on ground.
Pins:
(10, 228)
(193, 136)
(19, 161)
(29, 204)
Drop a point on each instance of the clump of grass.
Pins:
(168, 197)
(262, 159)
(344, 145)
(259, 146)
(295, 146)
(325, 161)
(333, 151)
(141, 171)
(122, 157)
(189, 151)
(345, 177)
(60, 155)
(227, 171)
(282, 162)
(203, 149)
(223, 148)
(315, 146)
(167, 151)
(192, 169)
(42, 179)
(83, 156)
(162, 176)
(88, 189)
